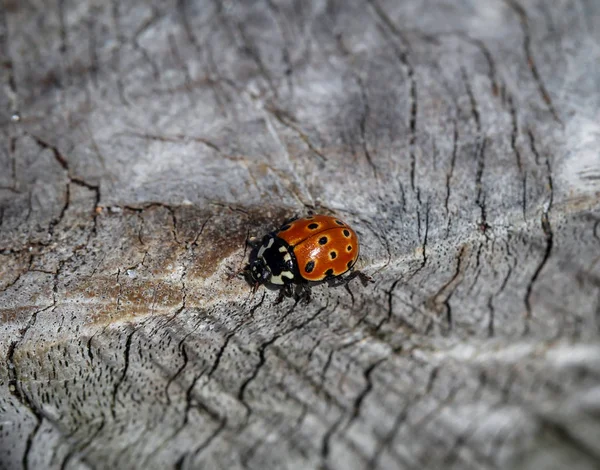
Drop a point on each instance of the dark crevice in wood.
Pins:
(94, 64)
(481, 140)
(443, 295)
(64, 47)
(64, 164)
(29, 262)
(119, 381)
(285, 121)
(548, 235)
(29, 444)
(216, 83)
(78, 450)
(285, 50)
(179, 370)
(567, 437)
(117, 52)
(480, 199)
(358, 401)
(184, 17)
(424, 246)
(488, 57)
(142, 50)
(8, 65)
(362, 124)
(473, 102)
(402, 322)
(402, 57)
(388, 439)
(247, 46)
(524, 20)
(204, 445)
(515, 149)
(263, 348)
(492, 310)
(450, 173)
(326, 366)
(232, 333)
(177, 138)
(191, 402)
(182, 65)
(402, 196)
(476, 270)
(326, 440)
(15, 385)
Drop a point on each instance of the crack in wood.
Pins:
(524, 21)
(279, 115)
(450, 172)
(311, 398)
(444, 293)
(402, 56)
(548, 235)
(515, 149)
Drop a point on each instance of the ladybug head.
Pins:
(258, 271)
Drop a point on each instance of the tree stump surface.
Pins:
(142, 142)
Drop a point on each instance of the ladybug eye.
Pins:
(309, 266)
(333, 255)
(346, 233)
(349, 248)
(313, 226)
(323, 240)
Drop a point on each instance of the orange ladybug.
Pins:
(312, 249)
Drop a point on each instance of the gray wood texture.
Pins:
(141, 142)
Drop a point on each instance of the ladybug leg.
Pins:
(280, 296)
(245, 269)
(341, 281)
(290, 220)
(238, 272)
(365, 279)
(253, 242)
(338, 281)
(286, 291)
(302, 293)
(296, 217)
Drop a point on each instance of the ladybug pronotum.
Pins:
(312, 249)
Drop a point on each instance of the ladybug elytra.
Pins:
(311, 249)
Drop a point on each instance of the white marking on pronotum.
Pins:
(264, 248)
(278, 280)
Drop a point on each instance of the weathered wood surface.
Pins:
(141, 142)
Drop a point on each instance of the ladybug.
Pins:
(302, 252)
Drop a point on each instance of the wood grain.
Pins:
(142, 142)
